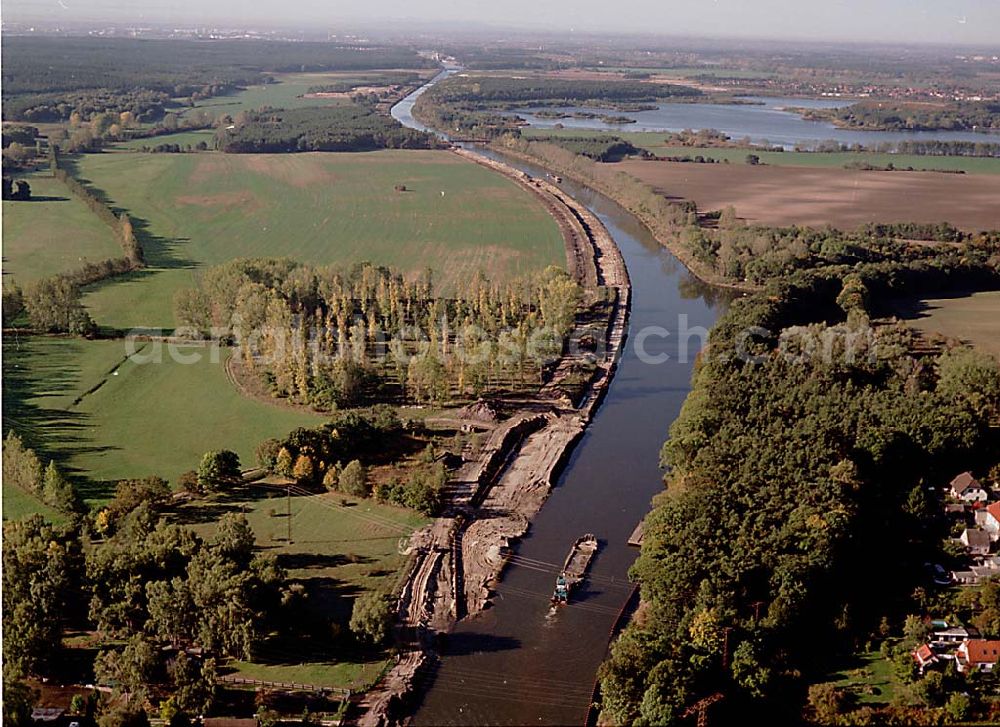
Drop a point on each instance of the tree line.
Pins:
(551, 91)
(334, 337)
(53, 304)
(921, 147)
(119, 223)
(599, 148)
(346, 127)
(797, 518)
(48, 79)
(23, 469)
(475, 104)
(886, 116)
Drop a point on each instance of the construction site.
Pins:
(494, 495)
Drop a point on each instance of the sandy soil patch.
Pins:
(352, 92)
(241, 198)
(296, 170)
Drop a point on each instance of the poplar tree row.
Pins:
(331, 335)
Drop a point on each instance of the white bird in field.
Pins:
(442, 193)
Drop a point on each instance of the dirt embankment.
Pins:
(494, 495)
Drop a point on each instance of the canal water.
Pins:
(519, 662)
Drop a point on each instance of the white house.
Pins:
(977, 653)
(951, 635)
(989, 519)
(967, 488)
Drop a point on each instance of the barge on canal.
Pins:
(575, 568)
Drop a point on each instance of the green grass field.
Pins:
(19, 504)
(287, 93)
(341, 546)
(975, 319)
(53, 233)
(197, 210)
(655, 143)
(144, 419)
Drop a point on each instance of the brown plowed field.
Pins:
(844, 198)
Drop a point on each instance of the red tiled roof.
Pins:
(994, 510)
(923, 654)
(982, 651)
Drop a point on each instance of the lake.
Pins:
(765, 120)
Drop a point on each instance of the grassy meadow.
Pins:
(974, 319)
(52, 233)
(104, 417)
(198, 210)
(341, 546)
(288, 91)
(656, 143)
(19, 504)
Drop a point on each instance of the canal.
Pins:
(519, 662)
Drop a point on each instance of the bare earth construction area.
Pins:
(844, 198)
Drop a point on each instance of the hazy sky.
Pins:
(945, 21)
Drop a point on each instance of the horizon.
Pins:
(847, 22)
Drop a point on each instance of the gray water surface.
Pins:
(768, 122)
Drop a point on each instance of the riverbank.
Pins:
(660, 230)
(495, 494)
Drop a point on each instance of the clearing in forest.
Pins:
(973, 319)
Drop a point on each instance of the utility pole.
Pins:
(288, 511)
(700, 708)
